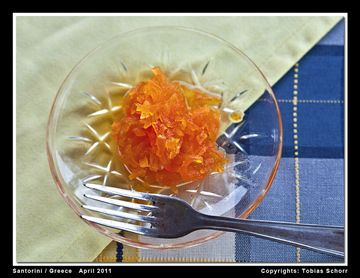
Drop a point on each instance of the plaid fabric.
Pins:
(309, 186)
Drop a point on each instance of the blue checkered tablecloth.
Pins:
(314, 146)
(309, 186)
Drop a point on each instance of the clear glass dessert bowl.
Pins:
(80, 146)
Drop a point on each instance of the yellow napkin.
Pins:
(46, 50)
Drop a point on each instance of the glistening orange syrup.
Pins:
(167, 132)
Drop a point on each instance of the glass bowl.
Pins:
(80, 147)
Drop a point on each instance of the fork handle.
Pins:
(324, 239)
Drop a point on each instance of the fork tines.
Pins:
(121, 203)
(144, 208)
(120, 225)
(120, 192)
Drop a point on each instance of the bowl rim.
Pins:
(128, 241)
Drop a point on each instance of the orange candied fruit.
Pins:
(167, 133)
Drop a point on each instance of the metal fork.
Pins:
(170, 217)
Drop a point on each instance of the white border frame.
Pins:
(281, 265)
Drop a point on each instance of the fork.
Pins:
(171, 217)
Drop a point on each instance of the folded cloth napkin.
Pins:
(46, 50)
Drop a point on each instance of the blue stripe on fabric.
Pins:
(327, 50)
(322, 198)
(314, 152)
(321, 76)
(279, 205)
(308, 256)
(242, 248)
(119, 252)
(242, 242)
(283, 89)
(320, 129)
